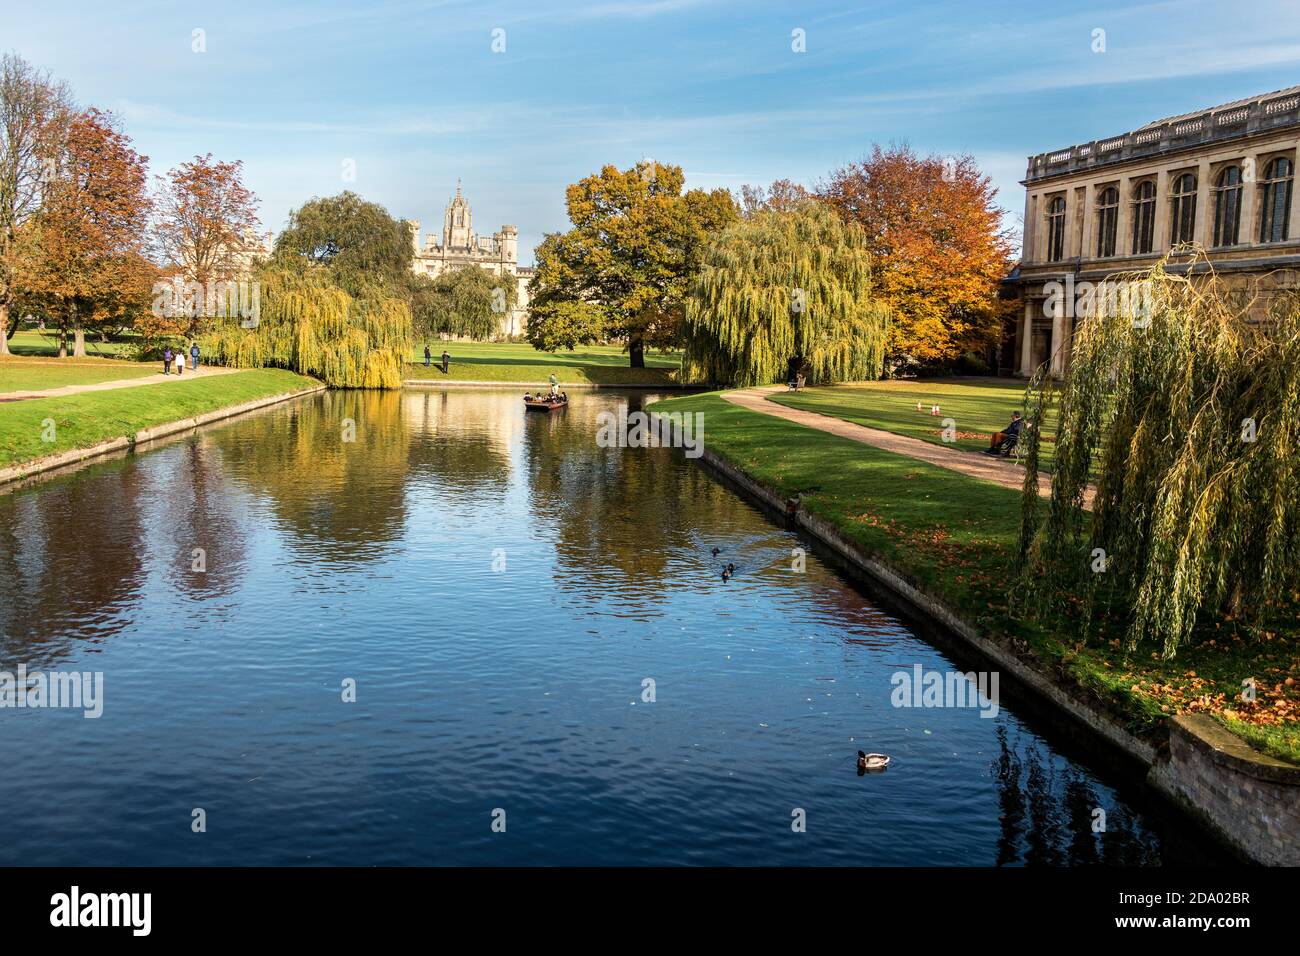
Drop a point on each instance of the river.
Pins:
(538, 639)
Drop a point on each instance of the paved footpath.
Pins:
(973, 463)
(203, 371)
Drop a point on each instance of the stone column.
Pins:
(1088, 243)
(1029, 241)
(1160, 236)
(1248, 229)
(1203, 231)
(1027, 338)
(1293, 225)
(1082, 217)
(1124, 223)
(1056, 350)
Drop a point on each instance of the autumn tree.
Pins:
(34, 112)
(938, 246)
(622, 271)
(82, 254)
(206, 219)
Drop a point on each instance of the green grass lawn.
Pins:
(92, 417)
(33, 342)
(979, 407)
(511, 353)
(534, 374)
(34, 374)
(955, 537)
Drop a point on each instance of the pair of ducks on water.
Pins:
(729, 571)
(866, 761)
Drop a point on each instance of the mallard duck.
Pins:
(868, 761)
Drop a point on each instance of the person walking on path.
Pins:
(446, 361)
(167, 360)
(180, 363)
(427, 356)
(194, 356)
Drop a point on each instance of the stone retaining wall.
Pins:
(1250, 800)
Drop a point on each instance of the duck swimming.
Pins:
(715, 552)
(868, 761)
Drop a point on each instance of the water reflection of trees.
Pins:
(342, 500)
(1046, 814)
(200, 512)
(461, 441)
(619, 513)
(70, 560)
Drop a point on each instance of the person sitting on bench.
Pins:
(1004, 442)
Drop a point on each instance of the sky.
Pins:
(396, 99)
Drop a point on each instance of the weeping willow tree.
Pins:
(1191, 413)
(470, 302)
(311, 326)
(784, 290)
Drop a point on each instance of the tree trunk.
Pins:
(4, 328)
(63, 341)
(636, 352)
(78, 342)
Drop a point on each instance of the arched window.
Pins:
(1107, 221)
(1182, 221)
(1056, 229)
(1144, 217)
(1275, 200)
(1227, 206)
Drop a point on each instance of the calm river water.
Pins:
(499, 588)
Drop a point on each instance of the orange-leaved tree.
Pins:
(206, 225)
(937, 244)
(81, 257)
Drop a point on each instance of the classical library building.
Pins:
(1222, 178)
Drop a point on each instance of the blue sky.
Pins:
(414, 95)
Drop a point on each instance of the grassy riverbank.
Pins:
(978, 407)
(80, 421)
(21, 374)
(520, 363)
(955, 537)
(539, 374)
(521, 353)
(31, 342)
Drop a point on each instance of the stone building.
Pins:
(1222, 178)
(458, 246)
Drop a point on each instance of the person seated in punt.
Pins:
(1004, 442)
